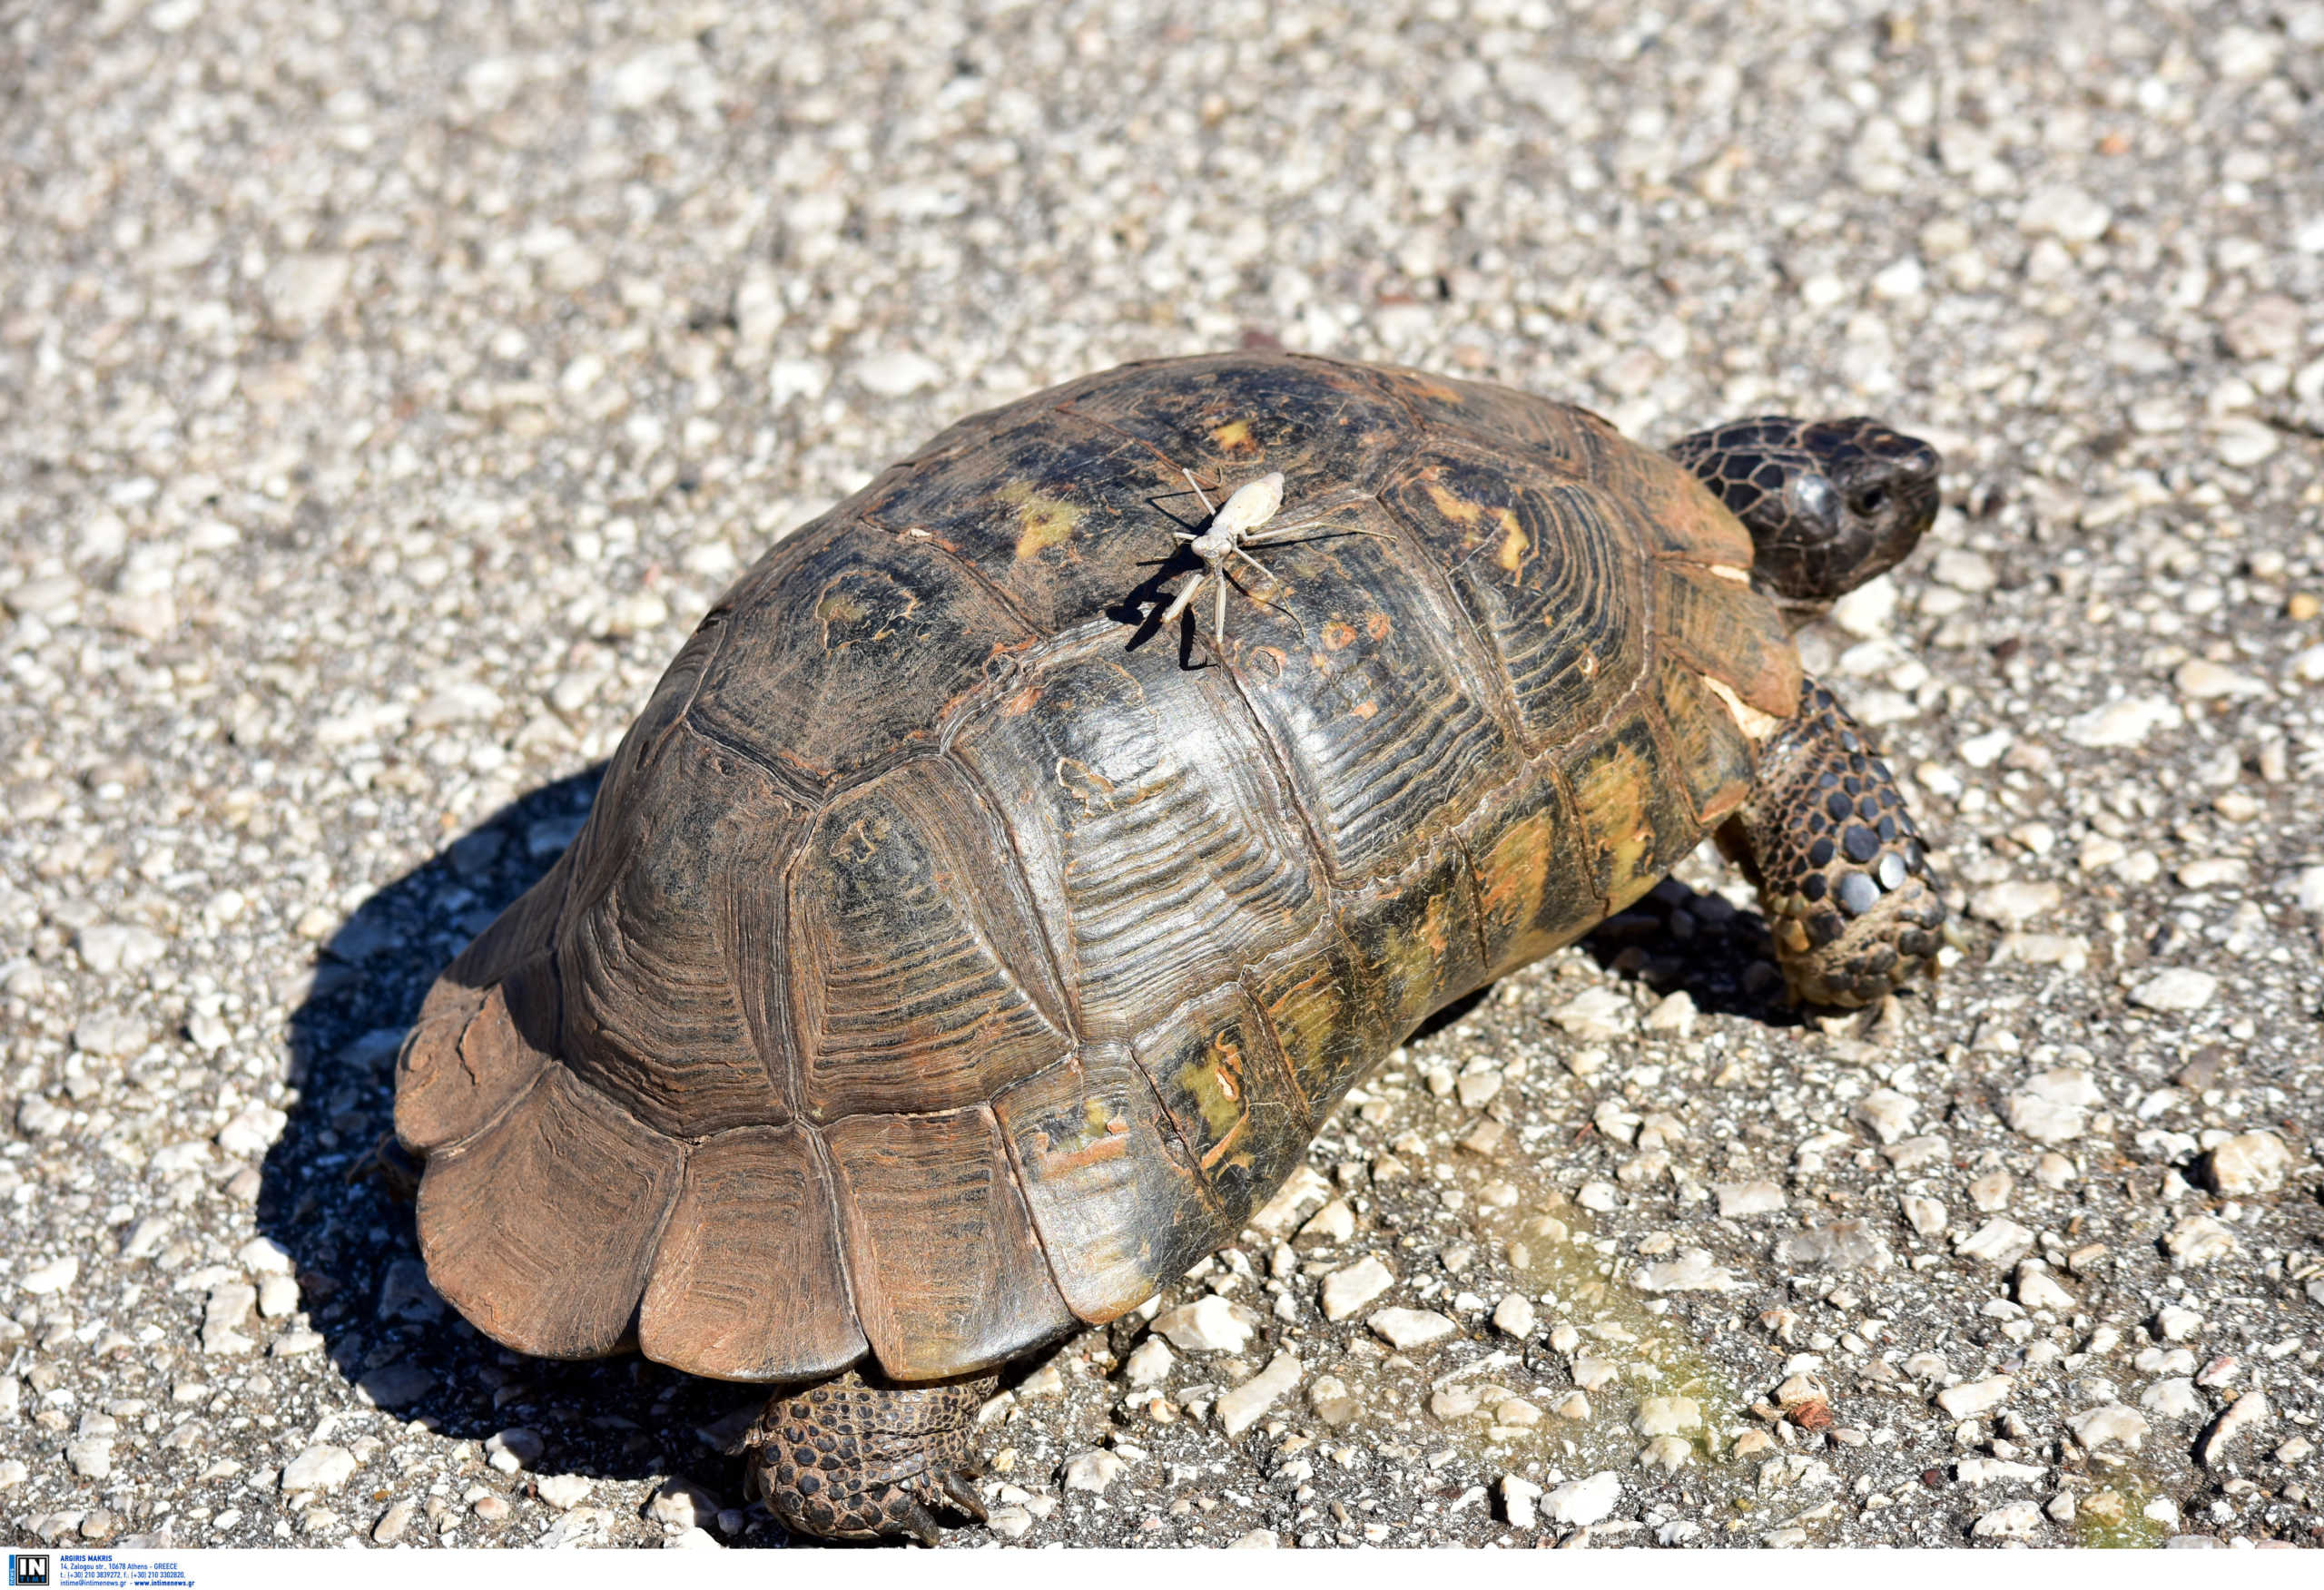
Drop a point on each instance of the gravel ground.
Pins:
(384, 391)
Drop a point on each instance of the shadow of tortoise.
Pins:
(335, 1195)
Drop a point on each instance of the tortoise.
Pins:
(955, 954)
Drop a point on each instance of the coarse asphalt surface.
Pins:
(384, 391)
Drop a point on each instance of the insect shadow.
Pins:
(336, 1203)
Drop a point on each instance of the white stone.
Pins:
(2242, 442)
(2037, 1288)
(111, 1035)
(2014, 1521)
(1584, 1501)
(1903, 279)
(1675, 1012)
(2032, 1116)
(2064, 213)
(278, 1297)
(1514, 1316)
(2179, 989)
(2173, 1323)
(1092, 1471)
(1997, 1242)
(320, 1467)
(2207, 681)
(263, 1256)
(1595, 1015)
(1925, 1215)
(48, 1280)
(680, 1504)
(301, 289)
(1208, 1324)
(2015, 903)
(897, 374)
(2247, 1413)
(1694, 1269)
(2124, 723)
(1737, 1198)
(1518, 1499)
(109, 947)
(1149, 1362)
(2171, 1398)
(1240, 1408)
(1989, 1193)
(1888, 1112)
(1405, 1328)
(2249, 1162)
(1971, 1397)
(1304, 1186)
(696, 1539)
(563, 1491)
(1668, 1415)
(1352, 1288)
(2111, 1425)
(1254, 1540)
(1867, 611)
(1333, 1223)
(1594, 1374)
(252, 1132)
(1975, 1471)
(2198, 1240)
(511, 1451)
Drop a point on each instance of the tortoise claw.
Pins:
(958, 1491)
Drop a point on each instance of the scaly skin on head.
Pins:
(853, 1460)
(1829, 504)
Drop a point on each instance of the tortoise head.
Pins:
(1829, 504)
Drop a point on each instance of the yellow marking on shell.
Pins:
(1234, 436)
(1515, 543)
(1517, 871)
(1337, 634)
(840, 611)
(861, 839)
(1214, 1082)
(1106, 1144)
(1730, 572)
(1043, 521)
(1378, 626)
(1092, 790)
(1754, 722)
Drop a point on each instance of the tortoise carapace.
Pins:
(951, 960)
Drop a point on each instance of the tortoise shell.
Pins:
(950, 958)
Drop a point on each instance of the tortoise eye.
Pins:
(1869, 502)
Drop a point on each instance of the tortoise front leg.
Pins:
(850, 1459)
(1841, 870)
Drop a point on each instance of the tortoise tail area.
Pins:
(476, 1080)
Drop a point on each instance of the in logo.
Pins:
(28, 1567)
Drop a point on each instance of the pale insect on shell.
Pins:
(1252, 505)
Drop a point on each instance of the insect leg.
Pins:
(1218, 615)
(1185, 594)
(1291, 533)
(1208, 511)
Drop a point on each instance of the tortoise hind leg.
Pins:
(851, 1459)
(1840, 869)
